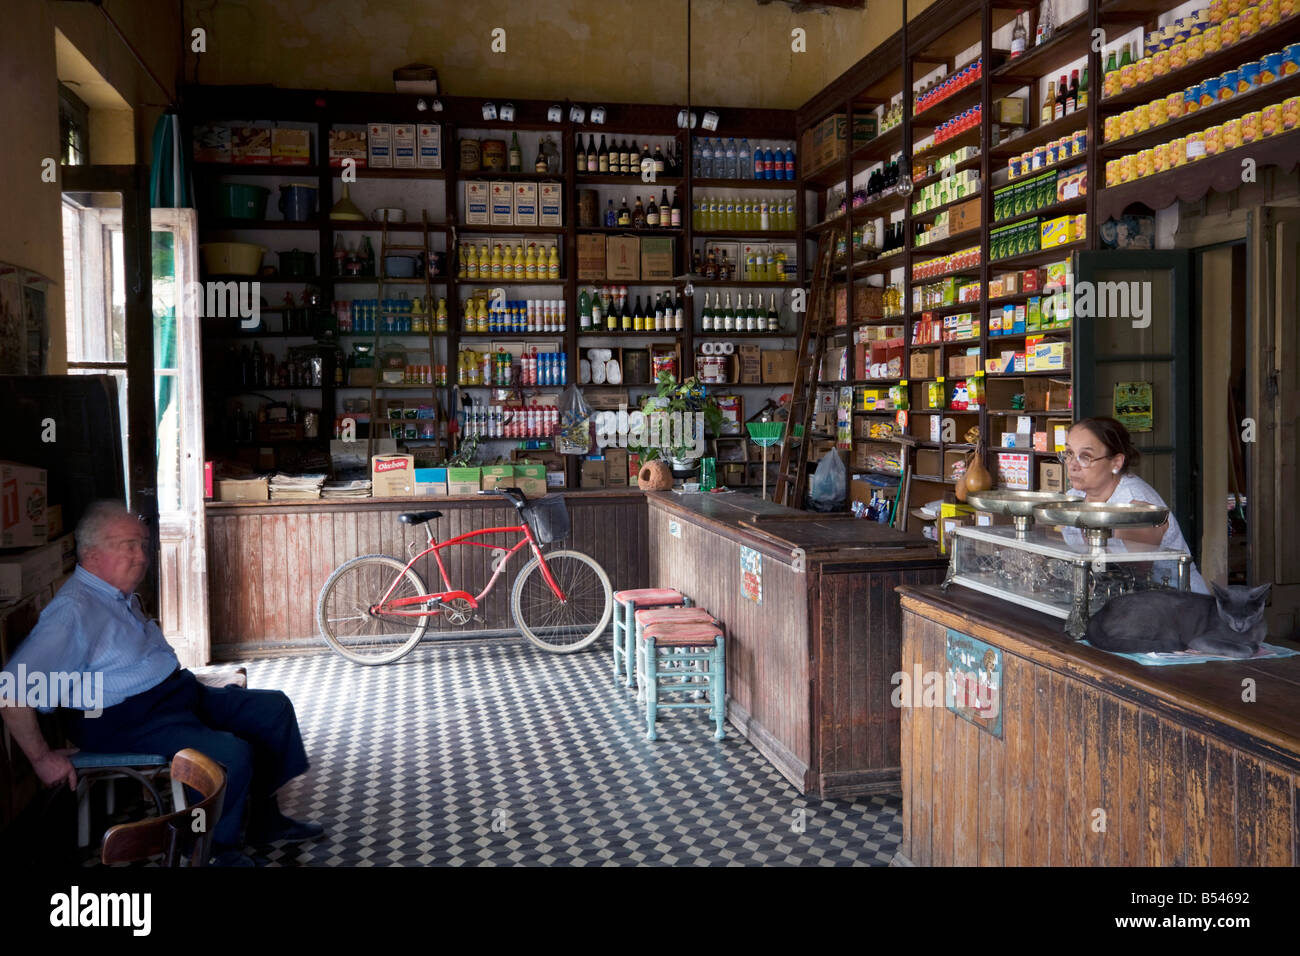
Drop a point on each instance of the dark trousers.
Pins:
(252, 733)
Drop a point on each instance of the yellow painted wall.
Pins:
(611, 50)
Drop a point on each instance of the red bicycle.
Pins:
(375, 608)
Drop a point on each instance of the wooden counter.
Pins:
(1101, 761)
(807, 668)
(267, 560)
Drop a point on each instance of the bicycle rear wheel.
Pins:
(343, 610)
(571, 625)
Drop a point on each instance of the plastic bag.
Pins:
(575, 423)
(829, 485)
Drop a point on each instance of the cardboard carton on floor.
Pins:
(392, 476)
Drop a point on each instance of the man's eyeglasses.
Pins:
(1085, 460)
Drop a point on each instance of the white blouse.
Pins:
(1133, 488)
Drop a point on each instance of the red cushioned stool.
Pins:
(660, 650)
(628, 601)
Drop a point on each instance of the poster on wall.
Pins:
(751, 574)
(24, 325)
(1133, 405)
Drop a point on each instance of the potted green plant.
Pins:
(685, 399)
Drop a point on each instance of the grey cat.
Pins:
(1229, 623)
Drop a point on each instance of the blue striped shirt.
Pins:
(91, 626)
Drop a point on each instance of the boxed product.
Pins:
(592, 473)
(243, 489)
(964, 217)
(1013, 470)
(476, 202)
(429, 146)
(623, 257)
(921, 364)
(1051, 476)
(1010, 111)
(463, 481)
(525, 204)
(392, 476)
(497, 476)
(779, 365)
(531, 480)
(211, 144)
(549, 204)
(616, 468)
(656, 257)
(751, 364)
(379, 145)
(27, 572)
(501, 203)
(290, 147)
(250, 144)
(430, 482)
(347, 143)
(591, 258)
(23, 504)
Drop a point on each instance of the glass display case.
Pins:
(1067, 577)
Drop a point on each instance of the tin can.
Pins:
(1159, 110)
(1192, 99)
(1126, 124)
(1158, 157)
(1270, 123)
(1228, 84)
(1230, 30)
(1128, 168)
(1144, 70)
(1250, 124)
(494, 155)
(1128, 76)
(1111, 130)
(1268, 13)
(1110, 84)
(1248, 76)
(1249, 18)
(1210, 36)
(1291, 112)
(1209, 91)
(1142, 165)
(1287, 8)
(1160, 63)
(1232, 7)
(1291, 59)
(1141, 118)
(1174, 105)
(1216, 11)
(1195, 47)
(1177, 56)
(1176, 152)
(1270, 68)
(1213, 140)
(1195, 147)
(1232, 134)
(469, 155)
(1112, 172)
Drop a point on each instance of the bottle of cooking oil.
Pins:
(442, 316)
(530, 262)
(482, 323)
(553, 263)
(521, 263)
(497, 262)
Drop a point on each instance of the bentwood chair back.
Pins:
(183, 838)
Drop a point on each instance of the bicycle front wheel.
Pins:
(569, 625)
(343, 610)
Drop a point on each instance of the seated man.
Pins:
(150, 703)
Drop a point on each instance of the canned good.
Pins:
(1159, 158)
(1227, 84)
(1270, 67)
(1112, 172)
(1291, 112)
(1144, 70)
(1232, 7)
(1268, 13)
(1174, 105)
(1287, 8)
(1111, 130)
(1128, 76)
(1110, 85)
(1141, 118)
(1213, 140)
(1176, 152)
(1182, 30)
(1192, 98)
(1249, 18)
(1128, 168)
(1159, 110)
(469, 155)
(1210, 37)
(1229, 30)
(1160, 63)
(1195, 47)
(1248, 76)
(1250, 124)
(1142, 165)
(1177, 56)
(1209, 91)
(1217, 11)
(1195, 147)
(1270, 123)
(1291, 59)
(1232, 134)
(1126, 124)
(1079, 145)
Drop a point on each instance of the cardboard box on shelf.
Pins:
(392, 476)
(290, 147)
(243, 489)
(779, 365)
(347, 143)
(1051, 476)
(429, 145)
(965, 217)
(501, 203)
(751, 364)
(250, 144)
(616, 465)
(464, 481)
(477, 202)
(212, 144)
(656, 257)
(591, 258)
(497, 476)
(1009, 111)
(404, 146)
(1057, 430)
(623, 258)
(549, 204)
(525, 204)
(592, 473)
(921, 364)
(379, 145)
(24, 505)
(1013, 470)
(29, 571)
(431, 482)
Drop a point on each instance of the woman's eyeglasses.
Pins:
(1085, 460)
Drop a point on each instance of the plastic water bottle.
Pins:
(769, 164)
(746, 160)
(697, 160)
(732, 168)
(759, 163)
(706, 160)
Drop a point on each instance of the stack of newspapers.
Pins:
(295, 487)
(347, 489)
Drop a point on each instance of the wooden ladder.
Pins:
(792, 476)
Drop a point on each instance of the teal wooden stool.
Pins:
(625, 605)
(662, 649)
(646, 616)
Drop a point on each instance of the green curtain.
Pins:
(169, 186)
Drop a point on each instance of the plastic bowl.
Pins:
(232, 258)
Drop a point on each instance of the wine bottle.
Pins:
(1074, 91)
(751, 320)
(638, 215)
(706, 318)
(652, 214)
(624, 214)
(773, 320)
(1083, 90)
(539, 164)
(593, 158)
(665, 211)
(676, 219)
(679, 314)
(634, 160)
(516, 155)
(602, 158)
(624, 159)
(1049, 103)
(1126, 56)
(1062, 96)
(661, 164)
(1111, 65)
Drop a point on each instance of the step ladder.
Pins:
(792, 476)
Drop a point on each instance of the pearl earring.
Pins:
(1114, 471)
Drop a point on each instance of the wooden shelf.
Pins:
(930, 214)
(1037, 257)
(948, 107)
(510, 230)
(878, 150)
(257, 169)
(918, 184)
(366, 172)
(745, 234)
(1069, 42)
(787, 185)
(604, 179)
(1039, 135)
(947, 244)
(630, 231)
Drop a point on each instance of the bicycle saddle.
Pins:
(418, 517)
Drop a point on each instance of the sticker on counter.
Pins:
(974, 690)
(751, 574)
(674, 528)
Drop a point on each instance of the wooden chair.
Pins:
(183, 838)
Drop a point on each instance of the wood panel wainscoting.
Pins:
(808, 666)
(267, 561)
(1101, 761)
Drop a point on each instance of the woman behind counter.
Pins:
(1098, 455)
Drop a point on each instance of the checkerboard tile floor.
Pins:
(495, 753)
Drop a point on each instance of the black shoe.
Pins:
(285, 830)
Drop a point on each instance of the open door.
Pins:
(1273, 402)
(1133, 312)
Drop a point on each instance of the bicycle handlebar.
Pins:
(510, 493)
